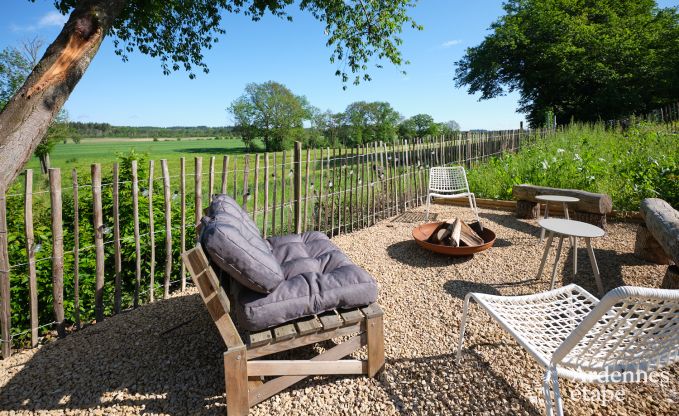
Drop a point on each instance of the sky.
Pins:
(136, 93)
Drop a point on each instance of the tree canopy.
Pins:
(177, 33)
(368, 122)
(270, 111)
(419, 125)
(580, 59)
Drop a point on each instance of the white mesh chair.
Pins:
(629, 333)
(450, 182)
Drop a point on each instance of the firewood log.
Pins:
(469, 236)
(433, 236)
(456, 229)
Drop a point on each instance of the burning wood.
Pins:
(455, 233)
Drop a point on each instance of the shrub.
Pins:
(639, 163)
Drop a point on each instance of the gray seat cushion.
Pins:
(232, 241)
(318, 278)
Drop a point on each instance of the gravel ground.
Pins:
(129, 364)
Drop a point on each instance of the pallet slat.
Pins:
(259, 338)
(352, 316)
(308, 326)
(283, 332)
(330, 320)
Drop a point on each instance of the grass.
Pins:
(639, 163)
(81, 156)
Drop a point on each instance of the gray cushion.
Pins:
(318, 278)
(232, 241)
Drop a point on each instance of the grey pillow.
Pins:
(232, 241)
(319, 278)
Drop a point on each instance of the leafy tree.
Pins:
(329, 124)
(448, 128)
(177, 32)
(368, 122)
(581, 59)
(419, 125)
(270, 111)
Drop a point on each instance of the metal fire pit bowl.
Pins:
(421, 233)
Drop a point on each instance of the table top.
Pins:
(556, 198)
(571, 228)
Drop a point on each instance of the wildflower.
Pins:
(577, 157)
(591, 178)
(553, 160)
(560, 150)
(545, 165)
(601, 159)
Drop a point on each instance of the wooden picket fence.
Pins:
(333, 191)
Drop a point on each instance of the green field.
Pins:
(70, 155)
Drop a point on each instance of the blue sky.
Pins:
(137, 93)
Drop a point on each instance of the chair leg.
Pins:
(472, 204)
(375, 334)
(557, 393)
(236, 380)
(463, 325)
(547, 391)
(427, 209)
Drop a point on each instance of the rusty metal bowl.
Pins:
(421, 233)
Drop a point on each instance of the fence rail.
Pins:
(118, 215)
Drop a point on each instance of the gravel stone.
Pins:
(128, 365)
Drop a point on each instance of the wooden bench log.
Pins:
(647, 248)
(527, 210)
(671, 280)
(592, 207)
(663, 223)
(591, 202)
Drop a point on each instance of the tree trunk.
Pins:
(25, 119)
(44, 163)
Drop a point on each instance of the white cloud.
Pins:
(52, 18)
(449, 43)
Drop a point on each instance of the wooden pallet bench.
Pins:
(250, 381)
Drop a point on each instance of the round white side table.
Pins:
(555, 198)
(568, 228)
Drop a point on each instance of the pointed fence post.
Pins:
(297, 162)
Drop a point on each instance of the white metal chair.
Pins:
(622, 338)
(450, 182)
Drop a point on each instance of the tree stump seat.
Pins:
(591, 208)
(657, 238)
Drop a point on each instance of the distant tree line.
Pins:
(272, 113)
(107, 130)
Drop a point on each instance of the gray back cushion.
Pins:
(232, 241)
(318, 278)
